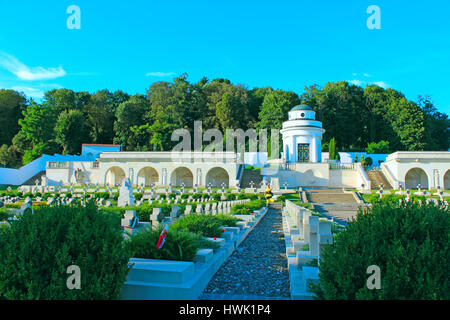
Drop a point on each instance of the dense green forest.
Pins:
(354, 116)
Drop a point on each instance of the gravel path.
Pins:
(258, 267)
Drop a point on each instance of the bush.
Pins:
(46, 195)
(179, 245)
(184, 196)
(216, 196)
(409, 243)
(226, 220)
(38, 194)
(28, 194)
(205, 225)
(231, 196)
(104, 195)
(281, 199)
(248, 208)
(38, 248)
(378, 147)
(5, 214)
(115, 196)
(68, 195)
(196, 196)
(138, 195)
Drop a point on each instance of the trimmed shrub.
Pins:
(179, 245)
(104, 195)
(216, 196)
(28, 194)
(231, 196)
(410, 244)
(196, 196)
(138, 195)
(248, 208)
(38, 248)
(4, 214)
(46, 195)
(226, 220)
(12, 205)
(205, 225)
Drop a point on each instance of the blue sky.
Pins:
(128, 45)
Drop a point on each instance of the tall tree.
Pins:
(69, 131)
(130, 113)
(100, 117)
(12, 104)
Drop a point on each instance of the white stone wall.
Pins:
(119, 165)
(435, 164)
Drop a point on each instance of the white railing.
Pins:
(387, 173)
(342, 166)
(57, 165)
(363, 175)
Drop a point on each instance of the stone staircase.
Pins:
(32, 180)
(377, 177)
(251, 175)
(334, 203)
(276, 205)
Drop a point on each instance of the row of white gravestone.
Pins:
(312, 231)
(131, 223)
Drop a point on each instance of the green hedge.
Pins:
(179, 245)
(38, 248)
(410, 244)
(248, 207)
(205, 225)
(5, 214)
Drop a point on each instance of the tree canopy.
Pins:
(356, 117)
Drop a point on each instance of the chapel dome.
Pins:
(301, 107)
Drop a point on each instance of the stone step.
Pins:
(377, 177)
(154, 270)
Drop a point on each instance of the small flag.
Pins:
(162, 237)
(132, 223)
(215, 238)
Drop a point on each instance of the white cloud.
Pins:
(362, 83)
(159, 74)
(381, 84)
(24, 72)
(366, 75)
(30, 92)
(356, 82)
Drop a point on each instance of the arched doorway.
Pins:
(147, 176)
(182, 175)
(415, 177)
(447, 180)
(216, 176)
(114, 176)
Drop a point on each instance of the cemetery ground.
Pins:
(243, 251)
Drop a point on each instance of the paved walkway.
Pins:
(257, 268)
(334, 203)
